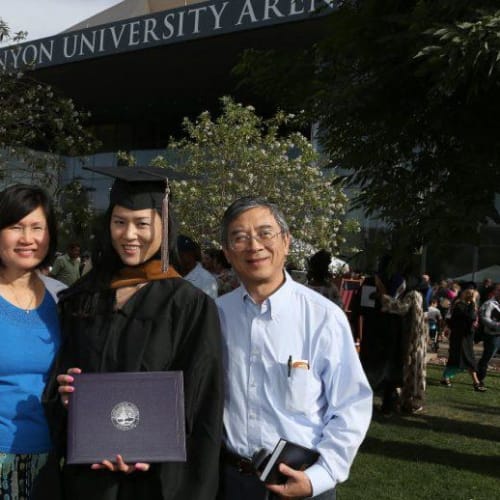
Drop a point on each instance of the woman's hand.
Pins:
(120, 466)
(65, 381)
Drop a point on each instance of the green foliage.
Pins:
(74, 214)
(37, 125)
(465, 54)
(125, 159)
(240, 154)
(6, 35)
(406, 94)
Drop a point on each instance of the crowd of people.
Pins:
(466, 314)
(269, 359)
(400, 321)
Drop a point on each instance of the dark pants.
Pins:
(237, 486)
(491, 344)
(83, 483)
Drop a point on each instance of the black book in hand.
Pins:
(294, 455)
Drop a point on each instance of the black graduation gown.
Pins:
(167, 325)
(461, 340)
(382, 344)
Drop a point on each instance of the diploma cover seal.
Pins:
(125, 416)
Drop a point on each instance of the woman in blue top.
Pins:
(30, 335)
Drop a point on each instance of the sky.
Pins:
(42, 18)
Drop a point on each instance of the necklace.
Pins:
(27, 308)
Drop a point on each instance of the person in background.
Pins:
(444, 296)
(134, 313)
(485, 290)
(454, 291)
(320, 278)
(490, 318)
(462, 322)
(435, 323)
(291, 368)
(383, 344)
(85, 263)
(404, 315)
(425, 288)
(66, 267)
(191, 268)
(30, 336)
(215, 262)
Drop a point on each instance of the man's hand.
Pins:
(296, 486)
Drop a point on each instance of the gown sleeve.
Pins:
(200, 359)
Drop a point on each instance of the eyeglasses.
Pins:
(240, 241)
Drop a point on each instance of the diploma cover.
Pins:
(137, 415)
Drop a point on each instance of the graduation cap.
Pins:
(139, 188)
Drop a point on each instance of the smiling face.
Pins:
(24, 245)
(259, 264)
(135, 234)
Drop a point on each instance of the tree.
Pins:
(240, 154)
(406, 94)
(37, 125)
(75, 214)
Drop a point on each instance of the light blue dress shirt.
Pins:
(327, 407)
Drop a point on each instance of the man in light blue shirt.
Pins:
(291, 367)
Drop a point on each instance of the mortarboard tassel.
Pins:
(164, 240)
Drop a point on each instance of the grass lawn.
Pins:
(451, 451)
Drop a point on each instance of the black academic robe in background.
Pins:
(382, 343)
(167, 325)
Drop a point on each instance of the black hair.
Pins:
(246, 203)
(218, 255)
(105, 260)
(186, 245)
(19, 200)
(318, 267)
(105, 265)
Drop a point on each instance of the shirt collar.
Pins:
(278, 301)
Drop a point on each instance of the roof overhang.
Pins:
(169, 64)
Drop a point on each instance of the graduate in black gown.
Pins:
(131, 313)
(383, 342)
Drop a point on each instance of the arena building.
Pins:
(141, 66)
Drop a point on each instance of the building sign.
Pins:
(171, 26)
